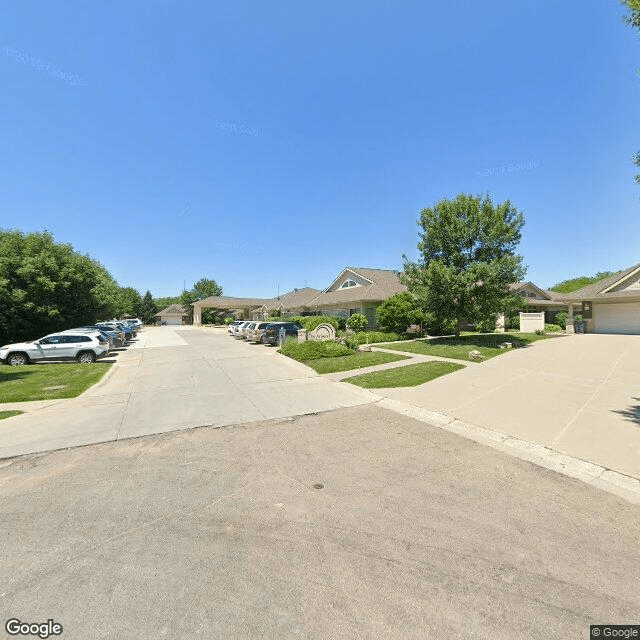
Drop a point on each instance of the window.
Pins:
(348, 283)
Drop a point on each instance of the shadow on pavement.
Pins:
(632, 414)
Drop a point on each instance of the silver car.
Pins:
(238, 332)
(81, 347)
(255, 331)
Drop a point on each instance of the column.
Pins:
(500, 323)
(197, 314)
(570, 327)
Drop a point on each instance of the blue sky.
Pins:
(271, 144)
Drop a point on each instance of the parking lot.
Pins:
(174, 378)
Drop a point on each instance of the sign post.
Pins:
(282, 335)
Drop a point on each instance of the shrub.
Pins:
(314, 349)
(398, 312)
(552, 327)
(486, 326)
(561, 319)
(354, 340)
(357, 322)
(512, 323)
(229, 319)
(440, 327)
(311, 322)
(539, 332)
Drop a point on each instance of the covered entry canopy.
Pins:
(242, 306)
(287, 302)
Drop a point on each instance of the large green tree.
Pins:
(204, 288)
(148, 309)
(567, 286)
(129, 302)
(46, 286)
(467, 259)
(632, 18)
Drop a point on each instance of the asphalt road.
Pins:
(354, 523)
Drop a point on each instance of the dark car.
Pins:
(116, 335)
(271, 333)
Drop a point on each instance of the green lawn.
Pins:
(33, 381)
(355, 361)
(458, 348)
(9, 414)
(410, 375)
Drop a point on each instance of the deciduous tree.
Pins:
(46, 286)
(467, 260)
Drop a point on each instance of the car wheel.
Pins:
(262, 340)
(86, 357)
(17, 359)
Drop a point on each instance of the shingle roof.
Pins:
(172, 308)
(594, 291)
(295, 298)
(514, 286)
(385, 284)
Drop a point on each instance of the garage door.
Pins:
(173, 320)
(617, 318)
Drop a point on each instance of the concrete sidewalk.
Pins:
(171, 380)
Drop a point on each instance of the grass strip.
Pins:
(9, 414)
(355, 361)
(48, 381)
(410, 375)
(459, 348)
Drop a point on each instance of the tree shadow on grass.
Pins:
(632, 414)
(15, 373)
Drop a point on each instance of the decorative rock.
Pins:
(475, 356)
(506, 345)
(364, 347)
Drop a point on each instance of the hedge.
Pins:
(312, 350)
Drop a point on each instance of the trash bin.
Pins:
(579, 326)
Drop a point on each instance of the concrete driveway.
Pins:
(578, 395)
(176, 378)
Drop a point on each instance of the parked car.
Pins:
(247, 327)
(82, 347)
(109, 335)
(115, 335)
(237, 332)
(272, 331)
(134, 323)
(232, 327)
(121, 335)
(128, 331)
(256, 330)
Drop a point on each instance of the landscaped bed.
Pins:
(353, 361)
(48, 381)
(410, 375)
(459, 348)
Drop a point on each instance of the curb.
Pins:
(619, 484)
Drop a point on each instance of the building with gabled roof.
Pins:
(173, 314)
(611, 305)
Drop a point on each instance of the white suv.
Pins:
(82, 347)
